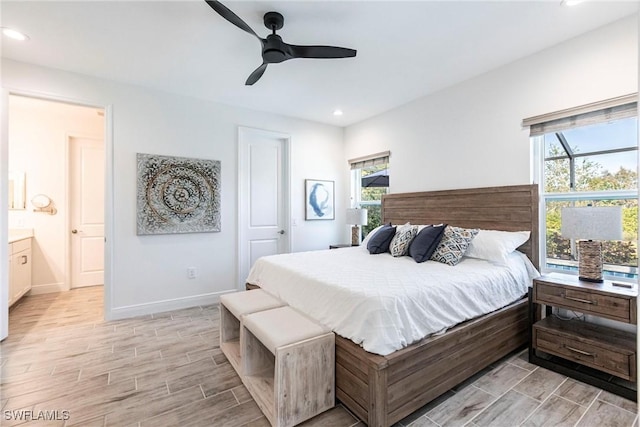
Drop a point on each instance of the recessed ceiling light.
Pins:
(337, 112)
(571, 2)
(14, 34)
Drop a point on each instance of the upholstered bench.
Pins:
(288, 365)
(232, 307)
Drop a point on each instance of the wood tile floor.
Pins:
(167, 370)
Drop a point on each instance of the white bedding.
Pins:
(386, 303)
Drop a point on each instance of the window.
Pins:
(590, 159)
(369, 182)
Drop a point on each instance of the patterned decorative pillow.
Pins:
(454, 244)
(400, 243)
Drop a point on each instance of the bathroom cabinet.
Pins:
(19, 269)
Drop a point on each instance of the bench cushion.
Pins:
(282, 326)
(240, 303)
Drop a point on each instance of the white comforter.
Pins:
(386, 303)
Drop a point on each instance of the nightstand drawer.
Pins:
(585, 301)
(590, 345)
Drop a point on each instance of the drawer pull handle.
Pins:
(584, 353)
(585, 301)
(24, 259)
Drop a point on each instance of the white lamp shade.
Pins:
(357, 216)
(592, 223)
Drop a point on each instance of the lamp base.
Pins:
(355, 235)
(590, 262)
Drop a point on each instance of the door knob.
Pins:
(74, 231)
(281, 232)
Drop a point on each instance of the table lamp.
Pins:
(591, 225)
(356, 217)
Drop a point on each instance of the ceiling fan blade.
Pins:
(227, 14)
(255, 76)
(321, 52)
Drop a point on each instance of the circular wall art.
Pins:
(177, 195)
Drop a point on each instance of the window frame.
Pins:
(356, 191)
(538, 175)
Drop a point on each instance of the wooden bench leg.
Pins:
(229, 325)
(304, 379)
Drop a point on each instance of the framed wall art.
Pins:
(177, 195)
(319, 199)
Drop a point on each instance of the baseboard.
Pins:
(47, 289)
(165, 305)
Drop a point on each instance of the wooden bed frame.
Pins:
(382, 390)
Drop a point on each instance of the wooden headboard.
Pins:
(510, 208)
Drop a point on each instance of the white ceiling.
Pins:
(405, 49)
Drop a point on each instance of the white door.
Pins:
(86, 177)
(263, 194)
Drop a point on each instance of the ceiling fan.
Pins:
(274, 50)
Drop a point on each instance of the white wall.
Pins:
(4, 201)
(149, 272)
(470, 135)
(38, 135)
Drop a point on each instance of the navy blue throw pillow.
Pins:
(426, 242)
(379, 242)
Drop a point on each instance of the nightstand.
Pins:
(341, 245)
(587, 351)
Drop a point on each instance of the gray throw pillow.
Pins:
(379, 242)
(426, 242)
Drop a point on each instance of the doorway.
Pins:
(59, 148)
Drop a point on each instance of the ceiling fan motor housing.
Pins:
(274, 50)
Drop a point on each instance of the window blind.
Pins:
(370, 160)
(598, 112)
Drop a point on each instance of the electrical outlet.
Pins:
(192, 272)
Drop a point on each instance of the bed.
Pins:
(381, 389)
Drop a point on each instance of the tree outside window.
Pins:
(374, 183)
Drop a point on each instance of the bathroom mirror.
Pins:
(17, 190)
(43, 203)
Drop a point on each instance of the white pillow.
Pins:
(494, 245)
